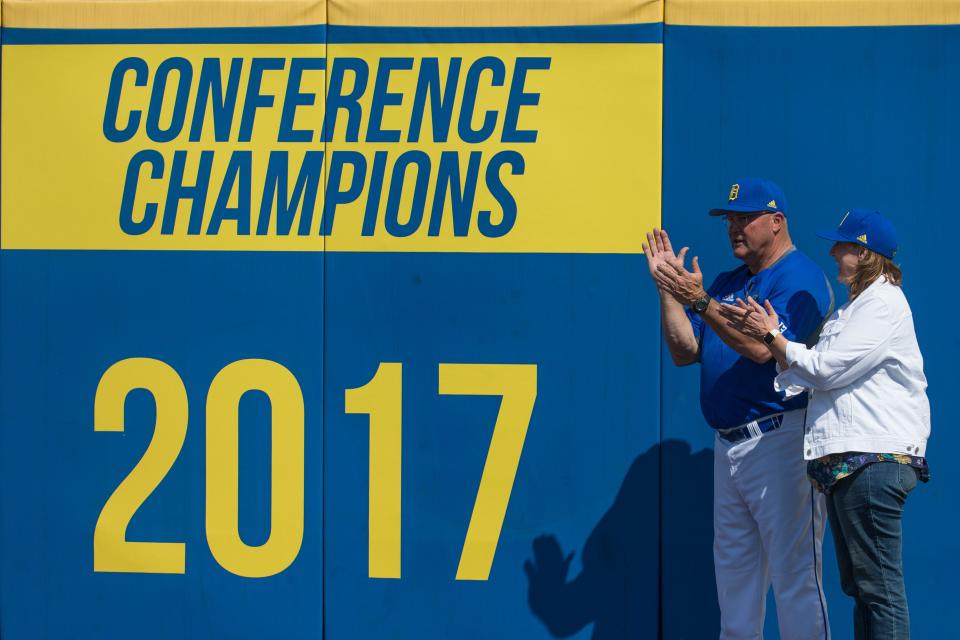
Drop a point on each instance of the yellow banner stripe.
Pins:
(132, 14)
(105, 14)
(493, 13)
(811, 13)
(160, 14)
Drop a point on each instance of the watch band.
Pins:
(700, 304)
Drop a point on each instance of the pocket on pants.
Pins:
(908, 478)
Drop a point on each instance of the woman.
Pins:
(868, 418)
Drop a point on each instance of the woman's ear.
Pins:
(862, 253)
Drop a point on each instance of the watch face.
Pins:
(701, 304)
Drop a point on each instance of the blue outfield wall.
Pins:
(608, 529)
(586, 473)
(840, 117)
(516, 498)
(587, 477)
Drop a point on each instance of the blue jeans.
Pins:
(865, 512)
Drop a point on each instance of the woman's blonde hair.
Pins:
(872, 266)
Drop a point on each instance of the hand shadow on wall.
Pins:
(618, 590)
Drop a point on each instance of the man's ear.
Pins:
(779, 221)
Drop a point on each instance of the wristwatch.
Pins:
(771, 336)
(700, 304)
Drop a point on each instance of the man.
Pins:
(768, 520)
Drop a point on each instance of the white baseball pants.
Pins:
(768, 528)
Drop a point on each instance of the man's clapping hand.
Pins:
(668, 271)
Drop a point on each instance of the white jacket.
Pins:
(865, 377)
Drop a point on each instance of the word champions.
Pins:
(273, 145)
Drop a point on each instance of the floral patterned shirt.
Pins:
(825, 472)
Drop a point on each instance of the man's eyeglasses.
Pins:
(740, 220)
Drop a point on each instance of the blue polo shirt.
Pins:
(733, 389)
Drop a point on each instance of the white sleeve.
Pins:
(858, 347)
(789, 380)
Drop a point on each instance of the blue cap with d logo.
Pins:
(866, 228)
(753, 195)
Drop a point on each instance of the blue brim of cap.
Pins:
(738, 208)
(836, 236)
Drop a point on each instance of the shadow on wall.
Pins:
(617, 589)
(689, 608)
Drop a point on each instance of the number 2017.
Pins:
(380, 398)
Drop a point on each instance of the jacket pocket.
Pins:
(823, 416)
(844, 402)
(828, 333)
(842, 409)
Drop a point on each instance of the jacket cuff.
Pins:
(793, 351)
(788, 384)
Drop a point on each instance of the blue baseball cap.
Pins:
(866, 228)
(753, 195)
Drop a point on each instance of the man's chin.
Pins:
(740, 251)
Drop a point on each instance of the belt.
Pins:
(751, 429)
